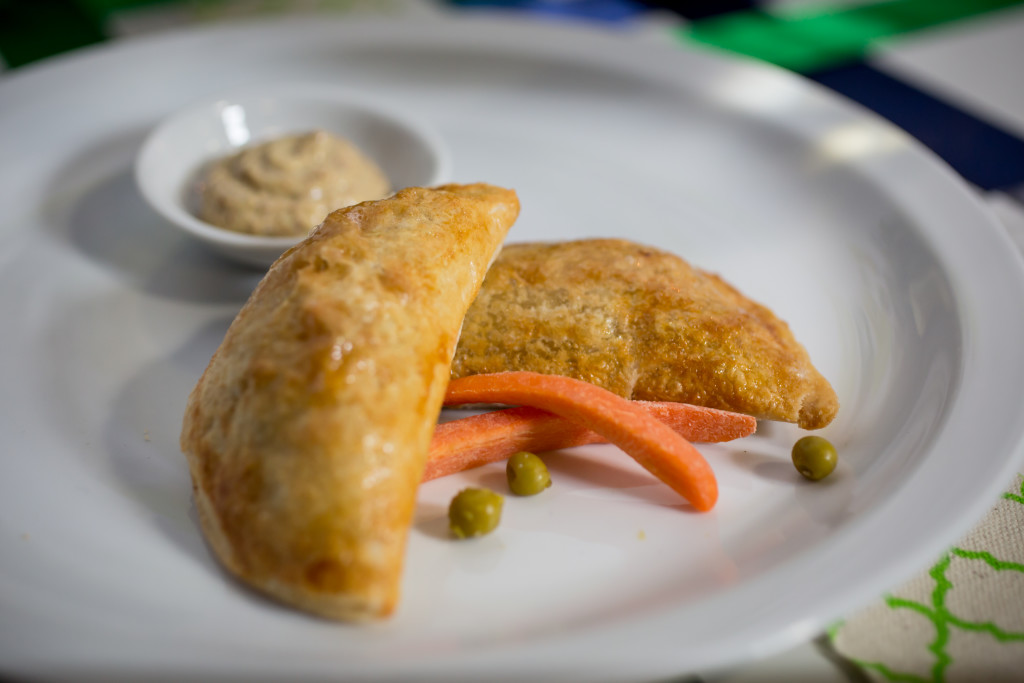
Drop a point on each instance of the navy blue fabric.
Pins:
(702, 9)
(983, 153)
(616, 10)
(602, 10)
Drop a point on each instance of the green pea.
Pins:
(527, 474)
(474, 512)
(814, 457)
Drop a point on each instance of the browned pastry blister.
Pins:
(307, 435)
(644, 324)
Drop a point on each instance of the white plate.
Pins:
(902, 287)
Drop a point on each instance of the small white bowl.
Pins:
(168, 164)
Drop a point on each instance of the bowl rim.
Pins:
(172, 210)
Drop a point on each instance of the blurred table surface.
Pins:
(950, 72)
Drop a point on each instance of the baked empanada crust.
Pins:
(644, 324)
(308, 433)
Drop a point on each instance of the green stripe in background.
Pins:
(815, 38)
(34, 29)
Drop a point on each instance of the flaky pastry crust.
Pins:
(644, 324)
(307, 434)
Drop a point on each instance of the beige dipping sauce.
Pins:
(287, 186)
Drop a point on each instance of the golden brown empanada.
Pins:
(308, 433)
(644, 324)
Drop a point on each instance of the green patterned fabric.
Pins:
(961, 620)
(818, 36)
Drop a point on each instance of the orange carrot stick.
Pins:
(651, 443)
(481, 439)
